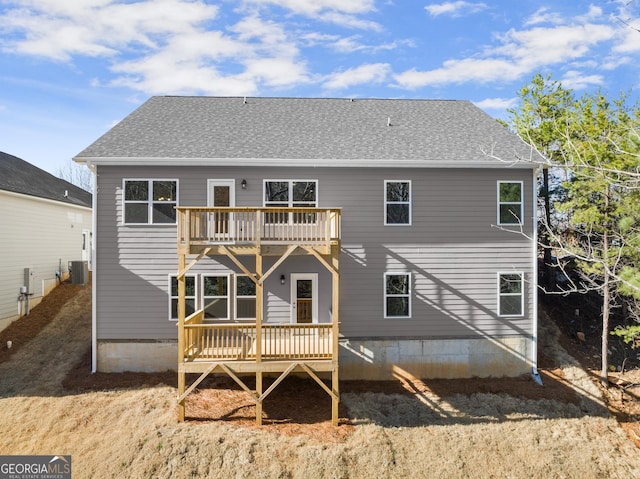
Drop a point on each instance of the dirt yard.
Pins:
(124, 425)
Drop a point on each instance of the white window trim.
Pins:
(384, 293)
(500, 203)
(149, 201)
(203, 298)
(236, 297)
(290, 195)
(521, 294)
(409, 203)
(171, 298)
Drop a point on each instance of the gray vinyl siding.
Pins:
(452, 251)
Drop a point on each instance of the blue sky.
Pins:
(70, 69)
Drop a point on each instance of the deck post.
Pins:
(181, 316)
(335, 331)
(259, 309)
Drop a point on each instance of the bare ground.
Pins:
(124, 425)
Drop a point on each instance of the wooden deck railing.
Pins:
(253, 226)
(238, 341)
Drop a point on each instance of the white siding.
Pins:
(38, 234)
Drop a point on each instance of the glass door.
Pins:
(221, 195)
(304, 298)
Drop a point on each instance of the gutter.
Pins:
(304, 162)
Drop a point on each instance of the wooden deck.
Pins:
(257, 348)
(245, 229)
(238, 342)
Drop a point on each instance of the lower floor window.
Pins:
(397, 295)
(510, 294)
(245, 298)
(215, 295)
(190, 296)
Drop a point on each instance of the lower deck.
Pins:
(244, 367)
(256, 349)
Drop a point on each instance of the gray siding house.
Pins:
(45, 222)
(437, 255)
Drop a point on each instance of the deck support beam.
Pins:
(291, 367)
(238, 381)
(259, 311)
(182, 309)
(196, 382)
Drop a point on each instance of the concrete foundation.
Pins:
(392, 359)
(364, 359)
(156, 356)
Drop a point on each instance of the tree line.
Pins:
(589, 196)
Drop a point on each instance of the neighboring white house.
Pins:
(45, 223)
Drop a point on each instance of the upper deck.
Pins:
(248, 229)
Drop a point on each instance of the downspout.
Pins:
(94, 266)
(534, 334)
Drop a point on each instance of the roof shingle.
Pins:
(442, 131)
(19, 176)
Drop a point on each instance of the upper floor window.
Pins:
(509, 202)
(397, 202)
(510, 294)
(397, 295)
(150, 201)
(290, 194)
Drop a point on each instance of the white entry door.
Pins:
(304, 298)
(221, 193)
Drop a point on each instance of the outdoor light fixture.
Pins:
(244, 184)
(282, 279)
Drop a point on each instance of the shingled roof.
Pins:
(315, 131)
(19, 176)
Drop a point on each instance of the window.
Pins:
(509, 202)
(510, 294)
(150, 201)
(397, 202)
(190, 296)
(245, 298)
(290, 194)
(215, 296)
(397, 295)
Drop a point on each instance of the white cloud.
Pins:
(340, 12)
(160, 46)
(543, 15)
(314, 7)
(628, 37)
(496, 103)
(350, 21)
(455, 9)
(364, 74)
(518, 53)
(353, 44)
(578, 81)
(60, 30)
